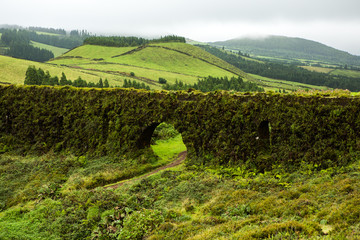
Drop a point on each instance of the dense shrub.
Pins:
(258, 130)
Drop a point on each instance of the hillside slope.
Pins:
(12, 71)
(290, 48)
(57, 51)
(172, 61)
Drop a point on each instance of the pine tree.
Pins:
(63, 80)
(100, 83)
(106, 83)
(31, 76)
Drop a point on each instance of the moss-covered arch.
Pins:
(217, 127)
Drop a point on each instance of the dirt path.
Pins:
(180, 158)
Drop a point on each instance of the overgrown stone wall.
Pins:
(217, 128)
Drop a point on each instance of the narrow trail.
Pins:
(180, 158)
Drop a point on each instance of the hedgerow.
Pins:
(218, 128)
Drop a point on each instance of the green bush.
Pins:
(164, 131)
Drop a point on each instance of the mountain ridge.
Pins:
(289, 48)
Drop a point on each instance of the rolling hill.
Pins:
(172, 61)
(289, 48)
(147, 63)
(56, 50)
(12, 71)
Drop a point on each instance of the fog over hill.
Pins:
(289, 48)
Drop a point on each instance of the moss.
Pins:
(290, 226)
(319, 128)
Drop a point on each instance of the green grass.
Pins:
(181, 203)
(168, 149)
(50, 34)
(13, 71)
(56, 50)
(92, 51)
(172, 61)
(318, 69)
(346, 73)
(275, 84)
(200, 54)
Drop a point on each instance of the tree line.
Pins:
(13, 38)
(285, 72)
(129, 41)
(134, 84)
(209, 84)
(38, 76)
(48, 30)
(19, 46)
(68, 42)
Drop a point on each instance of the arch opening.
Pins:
(145, 137)
(264, 130)
(264, 135)
(166, 142)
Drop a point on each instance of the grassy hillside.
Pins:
(56, 50)
(335, 71)
(290, 48)
(13, 71)
(277, 84)
(172, 61)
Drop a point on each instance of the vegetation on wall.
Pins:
(256, 130)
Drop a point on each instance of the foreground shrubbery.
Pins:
(193, 203)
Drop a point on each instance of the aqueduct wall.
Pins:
(217, 128)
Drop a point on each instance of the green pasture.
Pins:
(172, 61)
(13, 71)
(318, 69)
(147, 73)
(151, 58)
(46, 33)
(200, 54)
(333, 71)
(276, 84)
(97, 52)
(56, 50)
(169, 149)
(346, 73)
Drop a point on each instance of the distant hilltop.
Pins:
(289, 48)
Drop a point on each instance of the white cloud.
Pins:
(336, 23)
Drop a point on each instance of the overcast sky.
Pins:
(332, 22)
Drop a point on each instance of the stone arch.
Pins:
(145, 137)
(264, 136)
(166, 138)
(264, 130)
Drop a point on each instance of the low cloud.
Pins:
(332, 22)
